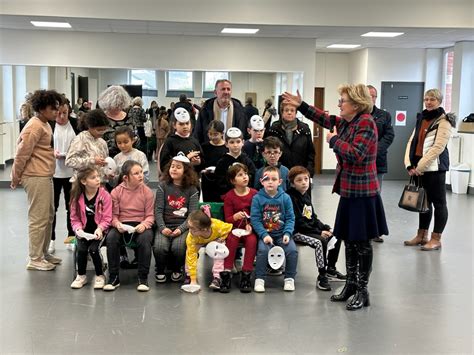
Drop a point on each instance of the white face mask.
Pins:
(217, 250)
(276, 257)
(111, 167)
(181, 115)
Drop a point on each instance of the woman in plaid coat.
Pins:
(360, 214)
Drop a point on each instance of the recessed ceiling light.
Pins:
(248, 31)
(382, 34)
(344, 46)
(51, 24)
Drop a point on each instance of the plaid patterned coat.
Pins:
(356, 151)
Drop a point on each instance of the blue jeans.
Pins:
(291, 258)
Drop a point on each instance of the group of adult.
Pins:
(359, 137)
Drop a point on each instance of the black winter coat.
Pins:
(386, 134)
(306, 220)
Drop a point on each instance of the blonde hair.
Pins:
(359, 95)
(435, 93)
(114, 98)
(137, 101)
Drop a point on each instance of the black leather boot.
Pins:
(361, 297)
(225, 282)
(350, 287)
(245, 284)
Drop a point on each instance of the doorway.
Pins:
(401, 96)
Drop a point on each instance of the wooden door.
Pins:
(318, 132)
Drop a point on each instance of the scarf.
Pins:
(429, 115)
(230, 113)
(289, 127)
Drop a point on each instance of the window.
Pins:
(179, 82)
(44, 78)
(145, 78)
(448, 64)
(209, 81)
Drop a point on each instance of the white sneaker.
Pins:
(289, 285)
(52, 247)
(79, 282)
(259, 285)
(41, 265)
(53, 259)
(99, 282)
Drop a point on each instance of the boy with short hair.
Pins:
(234, 141)
(309, 230)
(254, 146)
(273, 221)
(272, 150)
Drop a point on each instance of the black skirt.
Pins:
(360, 219)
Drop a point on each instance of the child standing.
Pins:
(132, 205)
(91, 212)
(124, 139)
(273, 220)
(181, 141)
(272, 148)
(254, 146)
(213, 151)
(162, 129)
(176, 197)
(202, 230)
(234, 142)
(237, 204)
(309, 230)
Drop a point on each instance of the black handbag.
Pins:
(414, 198)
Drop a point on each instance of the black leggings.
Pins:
(434, 184)
(83, 246)
(58, 185)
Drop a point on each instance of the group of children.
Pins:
(246, 176)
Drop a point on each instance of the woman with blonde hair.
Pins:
(427, 160)
(360, 215)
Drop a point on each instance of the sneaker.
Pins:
(215, 283)
(289, 285)
(143, 285)
(334, 275)
(272, 272)
(40, 265)
(113, 283)
(99, 282)
(53, 259)
(378, 240)
(323, 283)
(176, 276)
(259, 285)
(79, 282)
(160, 278)
(52, 247)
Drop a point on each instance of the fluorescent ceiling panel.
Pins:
(382, 34)
(344, 46)
(247, 31)
(51, 24)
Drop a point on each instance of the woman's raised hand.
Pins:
(292, 99)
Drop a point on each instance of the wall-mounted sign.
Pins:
(403, 97)
(400, 118)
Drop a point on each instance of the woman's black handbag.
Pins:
(414, 198)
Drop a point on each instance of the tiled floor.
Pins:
(421, 301)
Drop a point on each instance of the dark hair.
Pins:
(183, 98)
(77, 187)
(272, 143)
(125, 130)
(41, 99)
(295, 171)
(249, 101)
(234, 170)
(96, 118)
(126, 168)
(190, 177)
(202, 220)
(217, 126)
(271, 169)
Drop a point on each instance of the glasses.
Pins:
(341, 101)
(272, 154)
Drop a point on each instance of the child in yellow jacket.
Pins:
(202, 230)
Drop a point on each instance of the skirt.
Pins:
(360, 219)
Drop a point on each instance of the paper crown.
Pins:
(234, 132)
(181, 115)
(256, 122)
(182, 158)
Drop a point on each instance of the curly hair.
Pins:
(359, 96)
(190, 177)
(137, 101)
(41, 99)
(114, 98)
(95, 118)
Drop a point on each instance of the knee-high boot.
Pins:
(350, 287)
(361, 297)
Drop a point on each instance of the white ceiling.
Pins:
(323, 35)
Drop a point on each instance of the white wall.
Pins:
(358, 62)
(433, 74)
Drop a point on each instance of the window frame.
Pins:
(176, 92)
(210, 93)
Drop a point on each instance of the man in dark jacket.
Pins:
(223, 108)
(250, 109)
(385, 132)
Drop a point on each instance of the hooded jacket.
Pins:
(272, 216)
(175, 144)
(103, 211)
